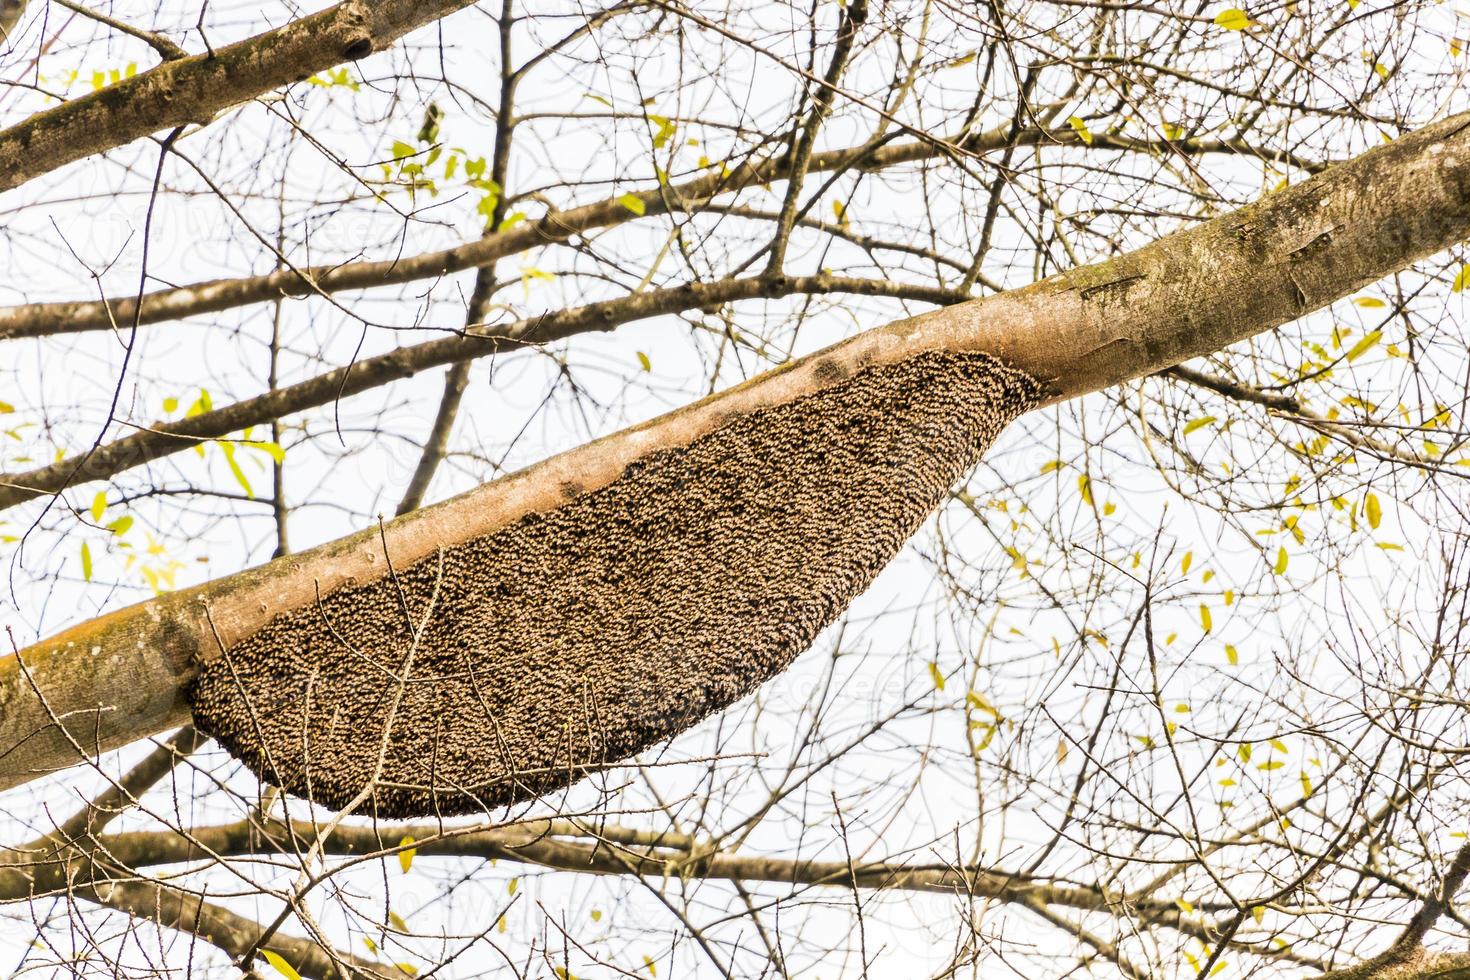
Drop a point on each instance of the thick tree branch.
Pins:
(193, 90)
(120, 677)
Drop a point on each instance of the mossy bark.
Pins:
(108, 682)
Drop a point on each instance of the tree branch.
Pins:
(213, 296)
(194, 89)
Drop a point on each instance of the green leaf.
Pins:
(429, 131)
(633, 203)
(405, 856)
(402, 150)
(1233, 19)
(86, 562)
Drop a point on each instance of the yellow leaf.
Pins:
(644, 362)
(1233, 19)
(649, 965)
(6, 408)
(1278, 745)
(1229, 597)
(1244, 751)
(1259, 913)
(86, 562)
(405, 856)
(1084, 485)
(1232, 655)
(1390, 546)
(1080, 128)
(1362, 347)
(1373, 510)
(1271, 766)
(596, 915)
(396, 921)
(512, 885)
(1109, 508)
(99, 504)
(500, 924)
(1186, 562)
(1306, 784)
(408, 968)
(1048, 467)
(1281, 560)
(1369, 302)
(1204, 617)
(633, 203)
(979, 702)
(1199, 423)
(1185, 907)
(368, 942)
(271, 449)
(936, 675)
(277, 961)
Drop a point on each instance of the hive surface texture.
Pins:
(518, 662)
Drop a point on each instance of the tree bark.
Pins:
(193, 90)
(114, 679)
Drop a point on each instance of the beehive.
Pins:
(574, 638)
